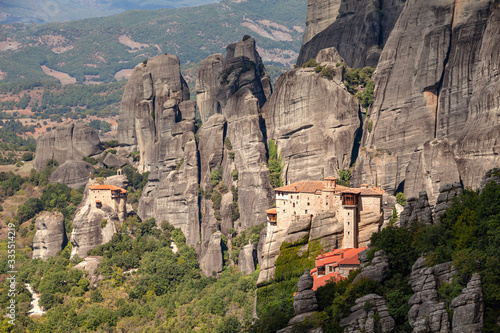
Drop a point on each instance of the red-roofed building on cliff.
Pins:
(335, 265)
(310, 198)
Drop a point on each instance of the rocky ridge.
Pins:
(370, 315)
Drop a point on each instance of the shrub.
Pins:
(370, 126)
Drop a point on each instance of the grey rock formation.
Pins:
(446, 193)
(320, 14)
(416, 210)
(66, 142)
(74, 173)
(468, 308)
(90, 264)
(428, 313)
(246, 259)
(157, 119)
(357, 29)
(113, 161)
(314, 121)
(211, 262)
(429, 167)
(159, 78)
(376, 270)
(362, 317)
(206, 85)
(489, 176)
(49, 236)
(304, 303)
(94, 226)
(420, 96)
(326, 228)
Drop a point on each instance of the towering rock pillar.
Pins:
(157, 119)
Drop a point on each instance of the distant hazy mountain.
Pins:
(44, 11)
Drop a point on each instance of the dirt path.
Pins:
(35, 297)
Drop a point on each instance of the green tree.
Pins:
(275, 165)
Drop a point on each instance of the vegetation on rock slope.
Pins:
(468, 235)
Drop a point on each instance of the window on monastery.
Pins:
(305, 212)
(308, 203)
(348, 214)
(294, 204)
(348, 223)
(331, 269)
(348, 232)
(291, 196)
(294, 213)
(327, 203)
(297, 197)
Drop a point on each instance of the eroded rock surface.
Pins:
(416, 210)
(74, 173)
(420, 97)
(362, 317)
(314, 121)
(446, 193)
(66, 142)
(428, 313)
(376, 270)
(468, 308)
(246, 260)
(49, 236)
(211, 262)
(357, 29)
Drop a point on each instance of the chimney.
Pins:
(342, 255)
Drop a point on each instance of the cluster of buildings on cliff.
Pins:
(310, 198)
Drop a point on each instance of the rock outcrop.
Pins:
(113, 161)
(446, 193)
(421, 98)
(50, 235)
(66, 142)
(93, 226)
(370, 315)
(90, 264)
(314, 121)
(357, 29)
(246, 259)
(489, 176)
(304, 303)
(416, 210)
(428, 313)
(376, 270)
(211, 263)
(73, 173)
(468, 308)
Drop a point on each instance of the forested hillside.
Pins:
(97, 49)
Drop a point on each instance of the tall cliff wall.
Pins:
(314, 121)
(435, 87)
(358, 29)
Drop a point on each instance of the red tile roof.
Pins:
(108, 187)
(271, 211)
(322, 280)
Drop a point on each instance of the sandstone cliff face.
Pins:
(206, 85)
(94, 226)
(357, 29)
(468, 307)
(66, 142)
(211, 263)
(320, 14)
(435, 86)
(50, 235)
(314, 121)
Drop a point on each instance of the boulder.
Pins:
(416, 210)
(74, 173)
(446, 193)
(113, 161)
(50, 235)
